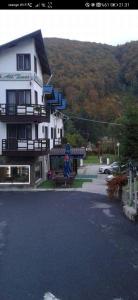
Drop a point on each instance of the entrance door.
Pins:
(12, 142)
(75, 165)
(11, 103)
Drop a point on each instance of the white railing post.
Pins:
(130, 188)
(135, 193)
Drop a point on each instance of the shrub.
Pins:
(114, 186)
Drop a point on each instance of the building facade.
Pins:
(29, 125)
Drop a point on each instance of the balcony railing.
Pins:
(34, 112)
(57, 142)
(26, 147)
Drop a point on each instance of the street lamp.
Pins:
(118, 144)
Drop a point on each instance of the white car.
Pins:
(109, 169)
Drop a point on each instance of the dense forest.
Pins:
(97, 79)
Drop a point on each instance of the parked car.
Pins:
(109, 169)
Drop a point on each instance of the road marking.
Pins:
(101, 205)
(108, 213)
(118, 299)
(50, 296)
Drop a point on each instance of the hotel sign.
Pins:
(20, 77)
(15, 76)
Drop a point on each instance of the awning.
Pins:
(75, 152)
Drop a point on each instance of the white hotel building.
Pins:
(28, 126)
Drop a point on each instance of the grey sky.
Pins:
(103, 26)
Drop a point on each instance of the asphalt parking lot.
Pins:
(78, 246)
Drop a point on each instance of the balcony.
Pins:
(62, 105)
(14, 147)
(57, 142)
(24, 113)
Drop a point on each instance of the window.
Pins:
(14, 174)
(35, 64)
(28, 131)
(11, 102)
(36, 131)
(18, 97)
(52, 131)
(43, 129)
(19, 131)
(23, 97)
(27, 97)
(55, 133)
(23, 62)
(61, 133)
(24, 132)
(36, 97)
(46, 132)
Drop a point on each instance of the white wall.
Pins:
(36, 87)
(8, 64)
(8, 56)
(39, 70)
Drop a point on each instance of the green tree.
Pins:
(75, 139)
(129, 133)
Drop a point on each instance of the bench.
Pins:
(60, 180)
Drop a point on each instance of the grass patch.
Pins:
(76, 184)
(94, 159)
(91, 159)
(47, 185)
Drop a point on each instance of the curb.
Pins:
(53, 190)
(130, 212)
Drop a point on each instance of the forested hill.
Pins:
(96, 78)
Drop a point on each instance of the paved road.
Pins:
(98, 184)
(78, 246)
(89, 169)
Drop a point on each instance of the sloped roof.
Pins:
(75, 152)
(40, 48)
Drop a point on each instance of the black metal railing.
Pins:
(57, 142)
(21, 110)
(12, 144)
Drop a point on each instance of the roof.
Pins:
(75, 152)
(40, 48)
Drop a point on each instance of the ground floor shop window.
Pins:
(14, 174)
(57, 163)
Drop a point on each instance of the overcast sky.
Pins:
(103, 26)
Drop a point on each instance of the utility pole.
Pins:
(130, 183)
(118, 144)
(49, 79)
